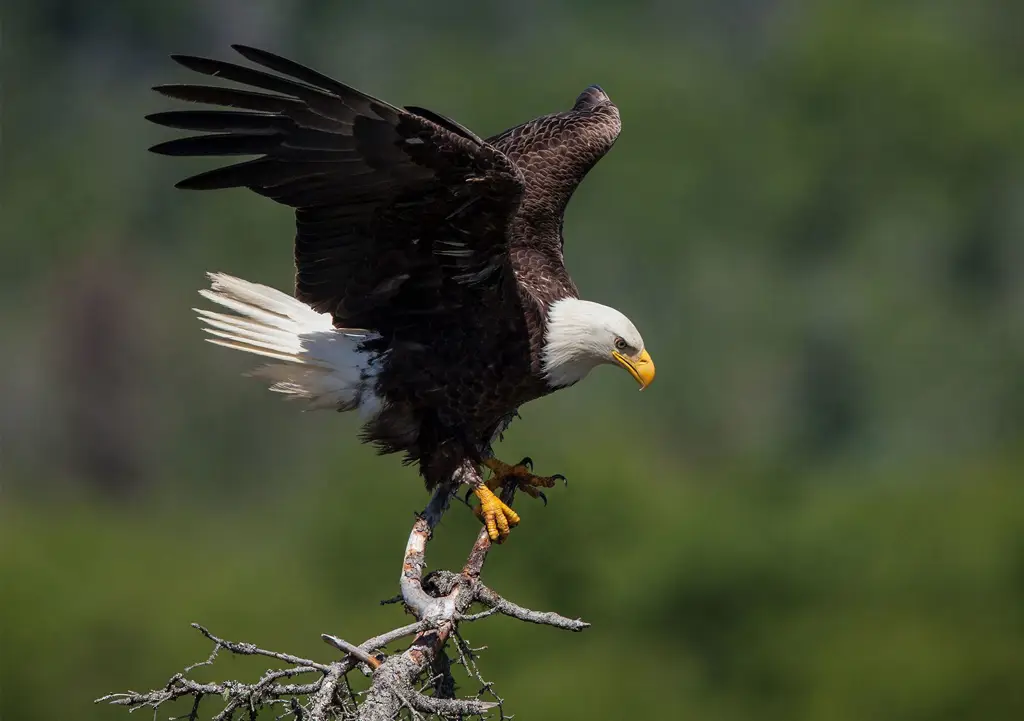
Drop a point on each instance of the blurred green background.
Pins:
(814, 214)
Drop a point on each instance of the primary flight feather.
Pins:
(430, 290)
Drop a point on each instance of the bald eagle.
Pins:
(430, 290)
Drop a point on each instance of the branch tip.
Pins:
(351, 649)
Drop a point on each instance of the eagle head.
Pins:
(582, 335)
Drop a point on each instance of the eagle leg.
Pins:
(522, 475)
(498, 517)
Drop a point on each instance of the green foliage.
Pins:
(832, 597)
(814, 216)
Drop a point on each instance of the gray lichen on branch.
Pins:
(400, 682)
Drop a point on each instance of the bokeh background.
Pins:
(815, 214)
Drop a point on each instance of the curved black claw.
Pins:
(540, 494)
(466, 499)
(560, 477)
(527, 463)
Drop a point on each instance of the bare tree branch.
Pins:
(439, 601)
(506, 607)
(248, 649)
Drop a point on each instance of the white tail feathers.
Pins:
(322, 364)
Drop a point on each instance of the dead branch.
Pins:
(439, 601)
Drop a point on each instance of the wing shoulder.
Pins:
(555, 152)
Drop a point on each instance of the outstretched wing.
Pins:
(398, 211)
(554, 153)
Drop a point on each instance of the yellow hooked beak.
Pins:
(641, 367)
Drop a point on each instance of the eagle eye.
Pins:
(620, 344)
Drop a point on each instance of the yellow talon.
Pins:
(522, 475)
(498, 517)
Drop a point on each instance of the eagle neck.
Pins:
(569, 352)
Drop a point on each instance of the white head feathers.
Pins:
(582, 335)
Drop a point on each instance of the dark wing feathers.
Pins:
(446, 123)
(260, 175)
(220, 121)
(593, 98)
(555, 152)
(396, 210)
(222, 144)
(249, 100)
(258, 79)
(294, 69)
